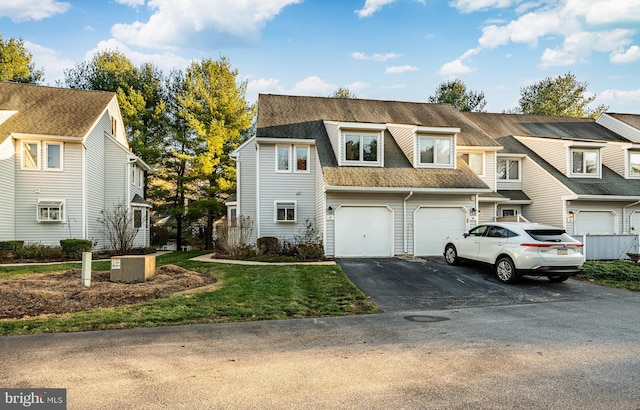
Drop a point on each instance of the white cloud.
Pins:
(606, 11)
(469, 6)
(313, 86)
(24, 10)
(620, 95)
(454, 68)
(578, 46)
(131, 3)
(622, 57)
(399, 69)
(165, 61)
(371, 6)
(47, 59)
(393, 86)
(374, 57)
(175, 23)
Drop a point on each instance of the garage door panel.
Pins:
(433, 225)
(594, 222)
(363, 231)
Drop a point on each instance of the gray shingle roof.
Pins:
(302, 117)
(50, 110)
(501, 125)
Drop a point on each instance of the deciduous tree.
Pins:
(455, 92)
(16, 64)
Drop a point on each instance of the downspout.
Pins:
(404, 216)
(624, 214)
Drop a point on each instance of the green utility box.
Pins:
(132, 268)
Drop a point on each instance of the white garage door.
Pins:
(433, 225)
(363, 231)
(594, 222)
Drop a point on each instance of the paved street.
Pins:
(553, 355)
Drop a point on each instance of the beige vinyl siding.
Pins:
(405, 136)
(333, 131)
(51, 185)
(7, 190)
(619, 127)
(285, 187)
(5, 115)
(547, 195)
(489, 175)
(553, 151)
(247, 184)
(614, 156)
(487, 212)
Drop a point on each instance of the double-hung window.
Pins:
(53, 153)
(50, 211)
(30, 155)
(634, 164)
(435, 151)
(585, 162)
(362, 148)
(508, 169)
(285, 211)
(292, 158)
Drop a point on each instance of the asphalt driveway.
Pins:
(396, 284)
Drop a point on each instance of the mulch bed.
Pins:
(57, 293)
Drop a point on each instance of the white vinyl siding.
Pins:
(247, 185)
(615, 156)
(333, 131)
(65, 185)
(619, 127)
(276, 187)
(95, 181)
(320, 200)
(405, 138)
(7, 190)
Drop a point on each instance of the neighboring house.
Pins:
(375, 178)
(569, 172)
(64, 161)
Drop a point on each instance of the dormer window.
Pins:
(435, 151)
(634, 164)
(585, 162)
(362, 148)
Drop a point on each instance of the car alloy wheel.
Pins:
(451, 255)
(506, 270)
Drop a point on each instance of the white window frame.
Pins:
(506, 173)
(469, 154)
(277, 158)
(285, 205)
(46, 156)
(584, 174)
(630, 167)
(295, 158)
(38, 158)
(51, 204)
(436, 138)
(361, 135)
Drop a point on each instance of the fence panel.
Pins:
(609, 247)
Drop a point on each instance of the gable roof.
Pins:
(43, 110)
(278, 110)
(303, 118)
(610, 184)
(629, 119)
(501, 125)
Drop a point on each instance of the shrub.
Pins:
(268, 245)
(616, 270)
(41, 252)
(73, 248)
(13, 246)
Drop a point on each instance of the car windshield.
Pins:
(550, 235)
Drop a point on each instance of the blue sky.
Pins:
(380, 49)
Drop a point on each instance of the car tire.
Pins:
(451, 255)
(558, 279)
(506, 270)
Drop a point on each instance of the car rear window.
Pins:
(550, 235)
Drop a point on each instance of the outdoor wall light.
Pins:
(474, 212)
(330, 210)
(570, 215)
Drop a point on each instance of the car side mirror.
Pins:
(465, 234)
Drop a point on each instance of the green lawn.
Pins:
(247, 292)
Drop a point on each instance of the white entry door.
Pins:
(363, 231)
(433, 225)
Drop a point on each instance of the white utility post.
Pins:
(86, 269)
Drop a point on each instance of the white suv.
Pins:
(516, 249)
